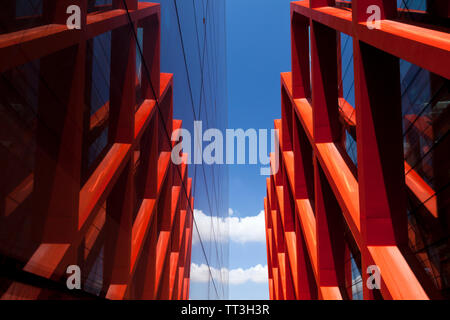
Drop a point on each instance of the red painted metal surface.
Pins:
(130, 208)
(320, 208)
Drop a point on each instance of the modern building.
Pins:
(87, 187)
(362, 189)
(193, 48)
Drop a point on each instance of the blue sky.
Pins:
(258, 49)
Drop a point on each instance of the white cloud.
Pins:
(230, 211)
(200, 273)
(241, 230)
(256, 274)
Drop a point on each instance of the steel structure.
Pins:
(325, 215)
(124, 215)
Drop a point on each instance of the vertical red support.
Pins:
(300, 56)
(164, 204)
(149, 278)
(122, 85)
(150, 158)
(379, 141)
(324, 77)
(59, 141)
(164, 287)
(165, 122)
(330, 232)
(380, 150)
(269, 226)
(307, 282)
(118, 225)
(303, 165)
(151, 51)
(380, 146)
(119, 207)
(286, 122)
(88, 108)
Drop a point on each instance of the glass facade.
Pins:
(426, 111)
(193, 48)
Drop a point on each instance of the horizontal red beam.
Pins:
(426, 48)
(20, 47)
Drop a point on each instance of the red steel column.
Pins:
(268, 225)
(303, 165)
(379, 141)
(303, 173)
(304, 189)
(151, 163)
(119, 207)
(164, 204)
(286, 121)
(150, 75)
(151, 51)
(327, 127)
(301, 85)
(59, 136)
(330, 231)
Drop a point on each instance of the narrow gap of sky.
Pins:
(258, 49)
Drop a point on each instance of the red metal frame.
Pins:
(146, 249)
(318, 208)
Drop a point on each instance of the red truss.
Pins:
(132, 207)
(319, 207)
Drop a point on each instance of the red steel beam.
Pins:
(421, 46)
(31, 44)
